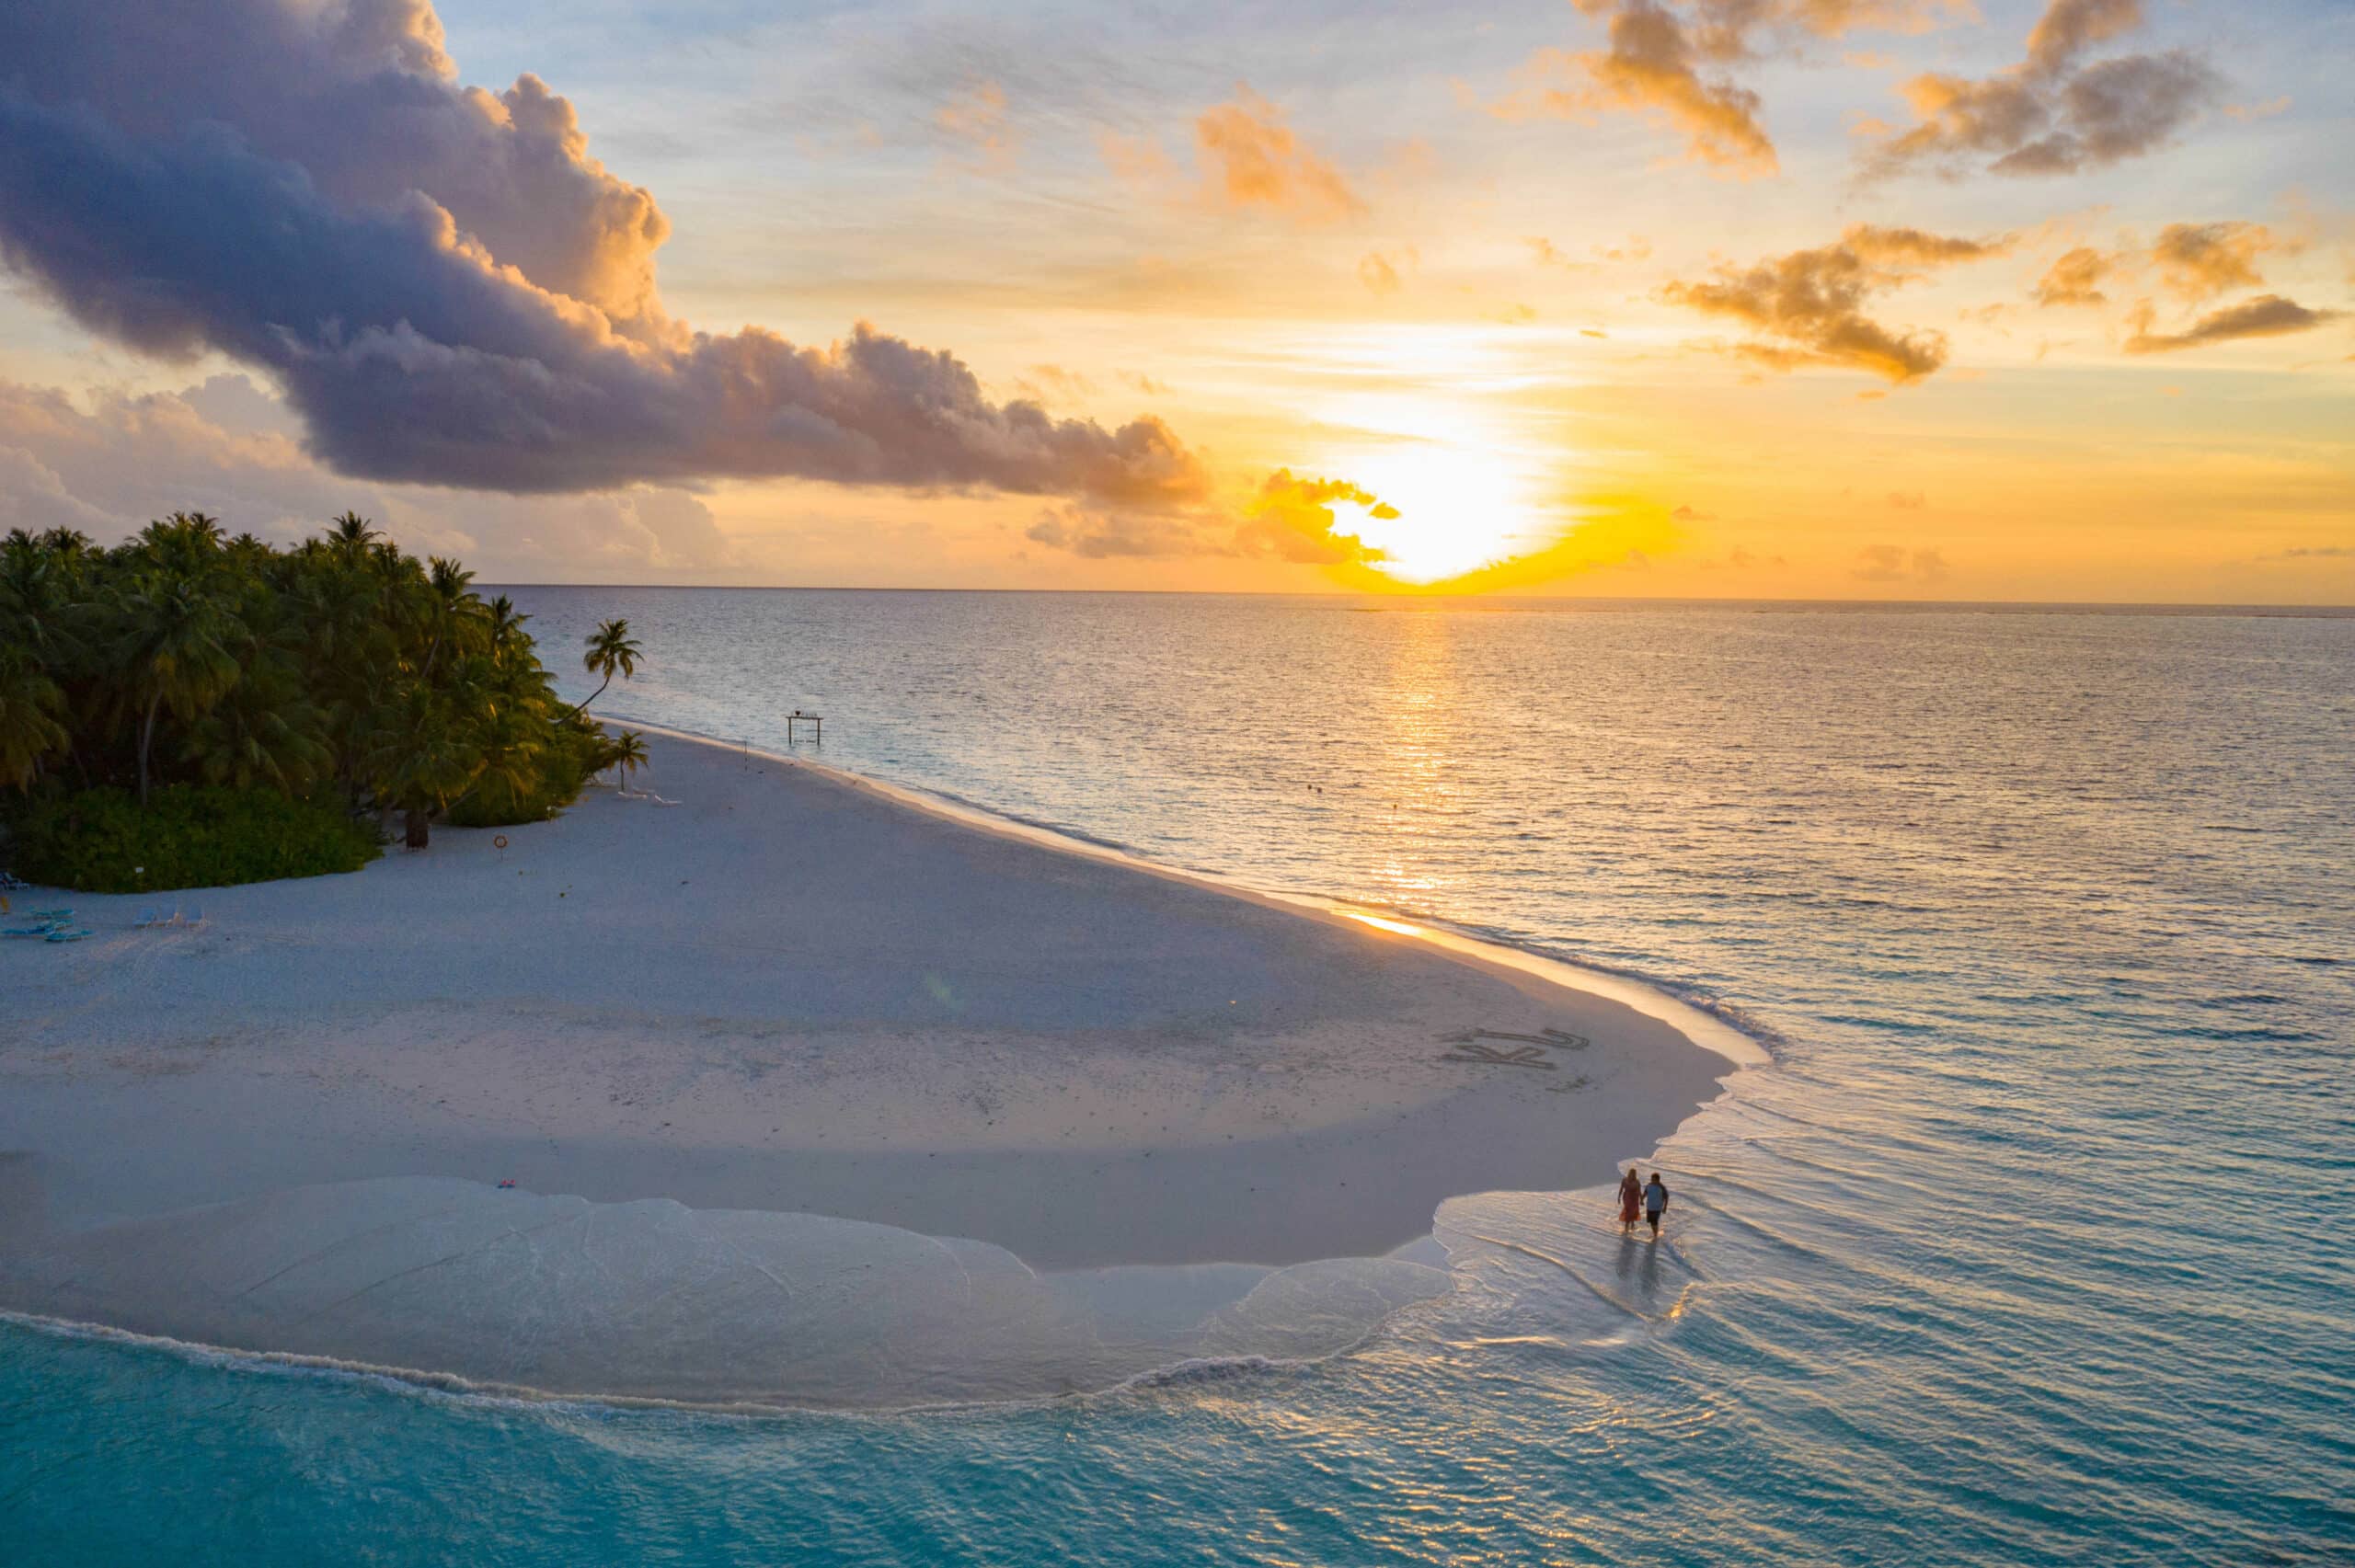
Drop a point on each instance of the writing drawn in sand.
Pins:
(1513, 1050)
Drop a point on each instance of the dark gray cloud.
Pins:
(2053, 112)
(449, 289)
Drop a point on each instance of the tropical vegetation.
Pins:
(217, 709)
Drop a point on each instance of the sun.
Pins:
(1460, 507)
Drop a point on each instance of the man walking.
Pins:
(1655, 1202)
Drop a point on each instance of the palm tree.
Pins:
(179, 646)
(506, 630)
(423, 756)
(263, 732)
(609, 649)
(349, 536)
(626, 754)
(450, 609)
(30, 705)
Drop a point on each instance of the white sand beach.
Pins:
(807, 1095)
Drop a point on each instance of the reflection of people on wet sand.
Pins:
(1631, 1195)
(1655, 1202)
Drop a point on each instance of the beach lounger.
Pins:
(64, 934)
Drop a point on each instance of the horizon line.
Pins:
(2114, 605)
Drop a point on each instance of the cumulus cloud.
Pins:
(1669, 64)
(2053, 112)
(1251, 158)
(449, 290)
(1810, 307)
(2268, 315)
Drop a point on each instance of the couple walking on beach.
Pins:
(1652, 1196)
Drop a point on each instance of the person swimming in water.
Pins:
(1631, 1199)
(1655, 1202)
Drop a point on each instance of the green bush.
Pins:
(100, 841)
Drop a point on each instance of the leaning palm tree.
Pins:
(609, 649)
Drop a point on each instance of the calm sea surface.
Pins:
(2037, 1245)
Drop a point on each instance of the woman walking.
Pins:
(1631, 1197)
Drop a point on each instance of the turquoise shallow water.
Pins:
(2033, 1246)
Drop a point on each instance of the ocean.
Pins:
(2036, 1245)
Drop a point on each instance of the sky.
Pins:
(1869, 299)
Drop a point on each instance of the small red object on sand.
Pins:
(508, 1183)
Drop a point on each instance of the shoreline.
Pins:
(1703, 1029)
(813, 1091)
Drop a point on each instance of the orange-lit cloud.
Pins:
(2268, 315)
(2053, 112)
(1652, 68)
(2198, 261)
(2074, 279)
(1808, 307)
(1251, 158)
(977, 117)
(1292, 519)
(1655, 59)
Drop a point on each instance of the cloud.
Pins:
(1292, 519)
(1908, 501)
(226, 448)
(2266, 110)
(1376, 272)
(2313, 552)
(2051, 113)
(1547, 255)
(448, 289)
(1808, 307)
(2198, 261)
(1055, 384)
(1651, 68)
(1251, 158)
(2268, 315)
(1893, 563)
(2074, 279)
(1098, 534)
(976, 116)
(1655, 62)
(1689, 514)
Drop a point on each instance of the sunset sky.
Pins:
(1730, 298)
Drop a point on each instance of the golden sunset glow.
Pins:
(1755, 302)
